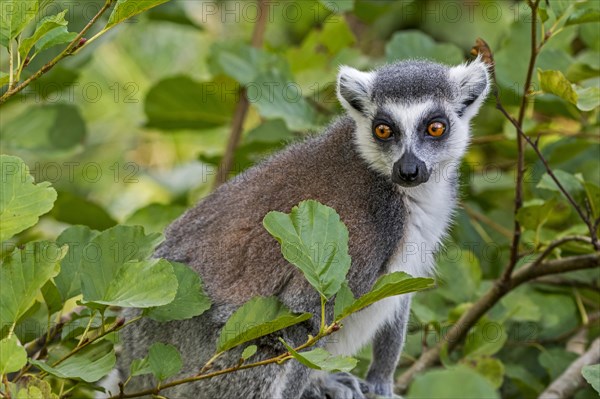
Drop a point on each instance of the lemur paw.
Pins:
(337, 386)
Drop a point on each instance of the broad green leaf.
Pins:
(52, 297)
(55, 37)
(50, 127)
(155, 217)
(314, 239)
(556, 83)
(409, 44)
(242, 62)
(22, 201)
(43, 27)
(140, 367)
(22, 274)
(276, 95)
(459, 265)
(249, 351)
(14, 17)
(139, 284)
(125, 9)
(535, 213)
(338, 6)
(68, 280)
(190, 300)
(320, 359)
(592, 375)
(12, 355)
(485, 339)
(567, 180)
(74, 209)
(182, 103)
(490, 368)
(392, 284)
(89, 364)
(556, 360)
(588, 98)
(164, 361)
(174, 12)
(256, 318)
(583, 15)
(108, 251)
(451, 383)
(593, 195)
(343, 299)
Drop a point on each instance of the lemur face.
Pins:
(413, 117)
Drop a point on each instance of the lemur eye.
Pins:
(383, 132)
(436, 129)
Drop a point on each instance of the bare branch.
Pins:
(239, 116)
(570, 381)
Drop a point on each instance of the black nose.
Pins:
(410, 171)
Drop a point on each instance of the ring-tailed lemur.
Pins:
(389, 168)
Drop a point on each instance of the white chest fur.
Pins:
(429, 207)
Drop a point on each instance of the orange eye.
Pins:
(436, 129)
(383, 132)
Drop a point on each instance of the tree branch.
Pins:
(66, 52)
(241, 109)
(500, 288)
(571, 380)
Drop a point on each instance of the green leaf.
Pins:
(182, 103)
(140, 367)
(460, 266)
(52, 297)
(164, 361)
(567, 180)
(451, 383)
(392, 284)
(592, 375)
(249, 351)
(35, 389)
(588, 98)
(125, 9)
(535, 213)
(276, 95)
(320, 359)
(22, 201)
(68, 280)
(14, 17)
(242, 62)
(190, 300)
(89, 364)
(107, 252)
(556, 83)
(55, 37)
(139, 284)
(556, 360)
(46, 25)
(490, 368)
(74, 209)
(583, 15)
(485, 339)
(343, 299)
(409, 44)
(4, 78)
(256, 318)
(338, 6)
(155, 217)
(12, 355)
(314, 239)
(48, 127)
(22, 274)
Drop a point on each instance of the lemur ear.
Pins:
(354, 89)
(473, 84)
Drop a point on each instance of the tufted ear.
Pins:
(354, 89)
(473, 84)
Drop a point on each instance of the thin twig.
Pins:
(557, 243)
(488, 221)
(241, 109)
(66, 52)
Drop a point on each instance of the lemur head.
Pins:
(413, 117)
